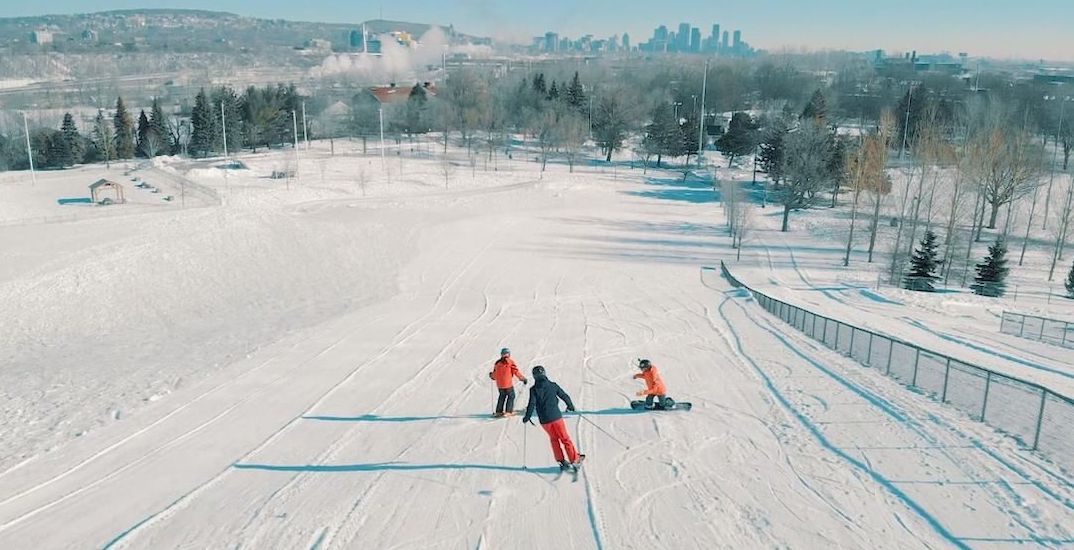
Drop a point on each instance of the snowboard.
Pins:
(677, 406)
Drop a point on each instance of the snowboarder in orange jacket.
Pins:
(654, 384)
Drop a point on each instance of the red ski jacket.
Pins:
(503, 373)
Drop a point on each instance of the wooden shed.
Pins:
(106, 186)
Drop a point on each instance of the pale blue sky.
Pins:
(1003, 28)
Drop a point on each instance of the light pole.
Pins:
(701, 119)
(1055, 154)
(29, 150)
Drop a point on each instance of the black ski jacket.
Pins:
(544, 399)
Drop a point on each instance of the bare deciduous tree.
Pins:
(805, 168)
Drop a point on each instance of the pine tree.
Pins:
(576, 93)
(204, 130)
(992, 272)
(553, 92)
(771, 152)
(73, 151)
(1070, 283)
(123, 127)
(144, 139)
(662, 135)
(415, 110)
(228, 119)
(923, 265)
(817, 108)
(740, 137)
(158, 125)
(539, 85)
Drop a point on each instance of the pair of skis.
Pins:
(572, 468)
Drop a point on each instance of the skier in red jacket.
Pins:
(544, 400)
(504, 372)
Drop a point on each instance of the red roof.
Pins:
(397, 94)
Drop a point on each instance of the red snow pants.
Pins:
(561, 441)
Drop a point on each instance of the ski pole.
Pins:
(525, 432)
(605, 432)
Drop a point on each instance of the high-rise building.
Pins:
(737, 45)
(695, 40)
(626, 42)
(661, 33)
(726, 41)
(682, 38)
(714, 40)
(551, 42)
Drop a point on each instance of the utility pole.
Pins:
(380, 112)
(305, 136)
(701, 123)
(29, 149)
(294, 128)
(1055, 158)
(223, 126)
(906, 122)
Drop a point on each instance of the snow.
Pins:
(303, 363)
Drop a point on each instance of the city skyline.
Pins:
(1037, 30)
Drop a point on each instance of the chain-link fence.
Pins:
(1038, 418)
(1049, 331)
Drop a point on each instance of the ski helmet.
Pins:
(644, 364)
(505, 351)
(538, 371)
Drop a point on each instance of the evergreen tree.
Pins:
(610, 124)
(144, 139)
(539, 85)
(123, 127)
(553, 92)
(72, 149)
(415, 110)
(662, 134)
(227, 114)
(771, 152)
(576, 93)
(923, 265)
(158, 125)
(204, 126)
(1070, 283)
(103, 139)
(817, 108)
(992, 272)
(740, 137)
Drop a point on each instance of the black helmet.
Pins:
(644, 364)
(538, 371)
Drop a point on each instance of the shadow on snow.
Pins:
(390, 467)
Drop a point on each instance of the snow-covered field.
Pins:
(303, 363)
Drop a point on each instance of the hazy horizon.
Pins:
(1038, 30)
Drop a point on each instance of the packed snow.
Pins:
(303, 362)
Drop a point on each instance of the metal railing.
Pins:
(1037, 417)
(1043, 329)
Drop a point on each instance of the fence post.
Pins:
(1022, 329)
(1066, 329)
(813, 331)
(869, 355)
(988, 385)
(1043, 322)
(838, 327)
(1040, 418)
(946, 377)
(917, 359)
(852, 331)
(891, 348)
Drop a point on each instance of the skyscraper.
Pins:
(682, 38)
(695, 40)
(714, 40)
(737, 45)
(626, 42)
(726, 41)
(551, 42)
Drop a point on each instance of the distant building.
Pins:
(726, 44)
(357, 39)
(551, 42)
(626, 42)
(695, 40)
(317, 45)
(714, 39)
(682, 38)
(737, 45)
(41, 36)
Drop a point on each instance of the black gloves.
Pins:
(526, 420)
(570, 409)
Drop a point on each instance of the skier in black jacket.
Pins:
(544, 400)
